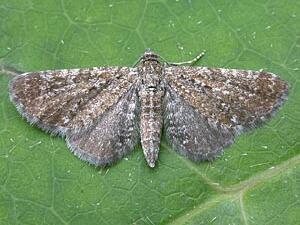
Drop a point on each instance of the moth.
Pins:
(104, 112)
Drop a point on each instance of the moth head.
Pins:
(149, 55)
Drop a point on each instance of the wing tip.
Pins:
(55, 130)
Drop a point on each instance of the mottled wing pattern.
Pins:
(223, 102)
(110, 137)
(57, 100)
(190, 133)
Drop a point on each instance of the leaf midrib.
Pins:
(233, 192)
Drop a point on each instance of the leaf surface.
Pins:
(256, 181)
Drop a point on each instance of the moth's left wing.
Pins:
(206, 108)
(57, 100)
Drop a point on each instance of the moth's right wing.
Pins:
(205, 108)
(59, 100)
(237, 99)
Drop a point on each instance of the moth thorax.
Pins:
(151, 73)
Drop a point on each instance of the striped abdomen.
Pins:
(151, 122)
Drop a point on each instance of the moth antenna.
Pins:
(190, 62)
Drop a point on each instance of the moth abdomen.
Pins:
(151, 123)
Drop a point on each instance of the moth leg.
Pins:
(137, 61)
(190, 62)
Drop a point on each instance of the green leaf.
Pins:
(256, 181)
